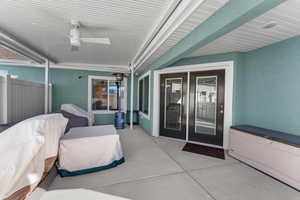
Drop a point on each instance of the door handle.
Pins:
(221, 109)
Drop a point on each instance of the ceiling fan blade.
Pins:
(96, 40)
(74, 48)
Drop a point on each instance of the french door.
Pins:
(206, 116)
(173, 105)
(206, 106)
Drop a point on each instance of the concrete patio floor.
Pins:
(156, 168)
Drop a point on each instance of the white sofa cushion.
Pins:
(22, 156)
(24, 148)
(86, 148)
(53, 130)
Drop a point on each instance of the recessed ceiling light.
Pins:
(269, 25)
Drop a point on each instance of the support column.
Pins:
(131, 96)
(47, 65)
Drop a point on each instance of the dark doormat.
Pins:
(204, 150)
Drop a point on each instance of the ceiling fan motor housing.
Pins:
(75, 37)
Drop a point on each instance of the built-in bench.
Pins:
(278, 136)
(273, 152)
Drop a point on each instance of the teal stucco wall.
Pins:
(271, 87)
(67, 86)
(25, 73)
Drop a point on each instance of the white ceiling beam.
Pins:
(47, 65)
(76, 66)
(94, 67)
(182, 12)
(156, 28)
(10, 61)
(131, 95)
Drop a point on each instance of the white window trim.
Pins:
(229, 75)
(144, 115)
(109, 78)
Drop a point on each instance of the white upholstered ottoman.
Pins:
(89, 149)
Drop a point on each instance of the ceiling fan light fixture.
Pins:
(74, 48)
(75, 37)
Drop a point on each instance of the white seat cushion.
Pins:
(22, 160)
(53, 130)
(86, 148)
(25, 147)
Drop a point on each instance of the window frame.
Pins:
(141, 113)
(107, 78)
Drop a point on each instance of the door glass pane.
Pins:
(113, 95)
(99, 98)
(206, 102)
(173, 102)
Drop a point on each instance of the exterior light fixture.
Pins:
(270, 24)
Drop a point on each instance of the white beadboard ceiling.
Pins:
(45, 25)
(205, 10)
(251, 35)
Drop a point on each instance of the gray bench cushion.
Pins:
(278, 136)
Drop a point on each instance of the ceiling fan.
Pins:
(75, 39)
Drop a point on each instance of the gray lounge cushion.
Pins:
(74, 120)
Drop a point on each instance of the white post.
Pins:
(47, 86)
(131, 96)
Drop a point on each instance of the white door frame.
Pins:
(228, 66)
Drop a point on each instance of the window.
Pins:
(103, 94)
(144, 104)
